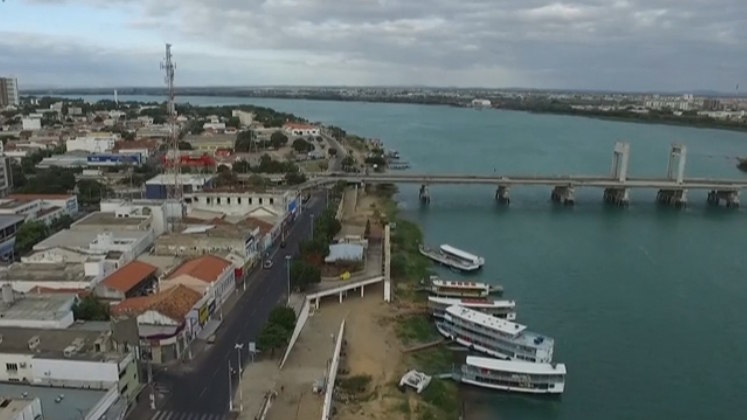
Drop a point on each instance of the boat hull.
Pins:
(557, 390)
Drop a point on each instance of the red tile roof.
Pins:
(299, 126)
(206, 268)
(43, 290)
(129, 276)
(29, 197)
(174, 303)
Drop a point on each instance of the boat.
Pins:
(505, 309)
(513, 376)
(494, 336)
(462, 289)
(416, 380)
(453, 258)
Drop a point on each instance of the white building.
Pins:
(244, 203)
(74, 111)
(31, 124)
(20, 408)
(245, 118)
(42, 207)
(481, 103)
(214, 126)
(9, 92)
(36, 310)
(160, 211)
(297, 129)
(93, 143)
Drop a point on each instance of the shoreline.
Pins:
(437, 101)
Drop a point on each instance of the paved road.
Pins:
(204, 387)
(335, 163)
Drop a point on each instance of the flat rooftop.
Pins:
(11, 408)
(72, 239)
(40, 307)
(52, 343)
(68, 408)
(7, 220)
(62, 272)
(101, 218)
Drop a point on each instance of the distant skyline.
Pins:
(608, 45)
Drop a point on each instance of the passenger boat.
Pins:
(505, 309)
(494, 336)
(465, 289)
(453, 258)
(505, 375)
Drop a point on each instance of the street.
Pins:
(201, 386)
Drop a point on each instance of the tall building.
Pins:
(8, 92)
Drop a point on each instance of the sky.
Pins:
(627, 45)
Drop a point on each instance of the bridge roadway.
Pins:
(551, 181)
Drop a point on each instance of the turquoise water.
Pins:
(647, 305)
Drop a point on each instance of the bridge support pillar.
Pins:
(424, 195)
(501, 195)
(617, 196)
(675, 198)
(362, 288)
(563, 195)
(731, 198)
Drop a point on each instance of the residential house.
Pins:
(134, 279)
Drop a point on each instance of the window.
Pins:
(217, 200)
(228, 200)
(208, 200)
(260, 201)
(250, 201)
(11, 367)
(238, 200)
(272, 200)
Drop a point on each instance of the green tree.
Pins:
(332, 151)
(233, 122)
(29, 234)
(283, 316)
(61, 222)
(98, 120)
(222, 168)
(272, 337)
(91, 309)
(302, 146)
(244, 141)
(304, 274)
(241, 166)
(183, 145)
(295, 178)
(90, 192)
(348, 163)
(278, 139)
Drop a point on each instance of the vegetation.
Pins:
(29, 234)
(348, 164)
(302, 146)
(48, 181)
(415, 329)
(91, 309)
(303, 274)
(90, 192)
(60, 223)
(295, 178)
(278, 139)
(278, 330)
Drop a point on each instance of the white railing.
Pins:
(327, 407)
(302, 317)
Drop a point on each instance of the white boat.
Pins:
(499, 308)
(453, 258)
(494, 336)
(416, 380)
(505, 375)
(466, 289)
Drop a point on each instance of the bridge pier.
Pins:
(424, 195)
(617, 196)
(501, 195)
(730, 197)
(563, 195)
(675, 198)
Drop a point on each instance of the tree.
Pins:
(244, 141)
(272, 337)
(90, 192)
(302, 146)
(222, 168)
(348, 163)
(29, 234)
(295, 178)
(183, 145)
(283, 316)
(60, 223)
(233, 122)
(304, 274)
(91, 309)
(332, 151)
(278, 139)
(97, 119)
(241, 166)
(367, 231)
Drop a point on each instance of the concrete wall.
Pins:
(67, 372)
(332, 375)
(98, 411)
(303, 316)
(61, 322)
(22, 361)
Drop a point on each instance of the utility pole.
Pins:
(238, 348)
(149, 363)
(288, 268)
(230, 393)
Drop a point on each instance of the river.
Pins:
(646, 304)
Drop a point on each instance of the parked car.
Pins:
(267, 265)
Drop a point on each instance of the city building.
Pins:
(5, 176)
(70, 358)
(31, 124)
(162, 321)
(297, 129)
(8, 226)
(36, 310)
(145, 148)
(158, 186)
(134, 279)
(14, 408)
(214, 127)
(245, 118)
(213, 277)
(9, 92)
(75, 159)
(67, 202)
(69, 403)
(211, 143)
(114, 159)
(160, 211)
(93, 143)
(245, 202)
(47, 271)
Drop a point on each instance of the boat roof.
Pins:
(473, 303)
(459, 284)
(513, 366)
(458, 252)
(488, 321)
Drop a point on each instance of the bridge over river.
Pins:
(672, 190)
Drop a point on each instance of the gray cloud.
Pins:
(614, 44)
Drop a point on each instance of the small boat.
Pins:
(513, 376)
(461, 289)
(494, 336)
(453, 258)
(416, 380)
(505, 309)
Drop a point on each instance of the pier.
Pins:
(672, 189)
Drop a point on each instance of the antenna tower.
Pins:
(174, 193)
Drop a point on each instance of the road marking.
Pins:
(180, 415)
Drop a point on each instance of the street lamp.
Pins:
(230, 393)
(288, 277)
(238, 348)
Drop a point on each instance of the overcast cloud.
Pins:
(594, 44)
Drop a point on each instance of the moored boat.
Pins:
(513, 376)
(453, 257)
(499, 308)
(465, 289)
(494, 336)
